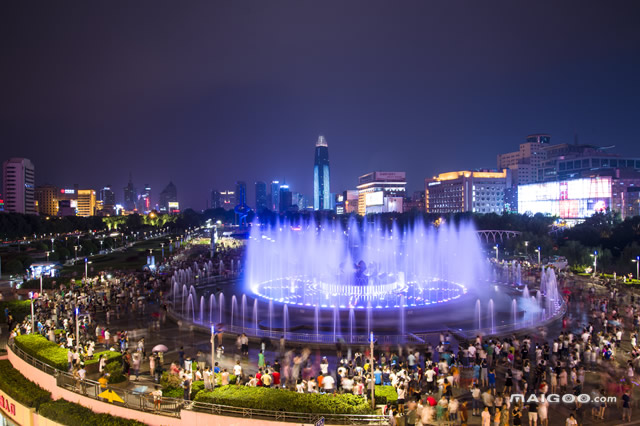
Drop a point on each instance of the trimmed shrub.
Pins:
(19, 309)
(115, 371)
(69, 413)
(386, 395)
(284, 400)
(46, 351)
(19, 388)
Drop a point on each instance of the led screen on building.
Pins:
(374, 198)
(568, 199)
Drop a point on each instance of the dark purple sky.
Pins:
(207, 93)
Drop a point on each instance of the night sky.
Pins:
(207, 93)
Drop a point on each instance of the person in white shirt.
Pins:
(327, 383)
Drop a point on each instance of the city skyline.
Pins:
(421, 88)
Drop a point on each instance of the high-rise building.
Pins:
(144, 202)
(168, 199)
(216, 200)
(18, 186)
(467, 191)
(86, 202)
(130, 196)
(261, 196)
(285, 199)
(321, 186)
(241, 193)
(275, 196)
(108, 198)
(381, 192)
(47, 199)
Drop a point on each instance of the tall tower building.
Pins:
(108, 198)
(275, 196)
(130, 196)
(168, 198)
(261, 196)
(18, 186)
(321, 189)
(241, 193)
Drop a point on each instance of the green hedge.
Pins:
(19, 309)
(115, 371)
(284, 400)
(19, 388)
(69, 413)
(46, 351)
(386, 395)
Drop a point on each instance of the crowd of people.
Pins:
(452, 380)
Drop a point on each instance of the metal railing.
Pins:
(285, 416)
(171, 407)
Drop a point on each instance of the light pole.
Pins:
(538, 251)
(52, 246)
(637, 262)
(162, 245)
(101, 242)
(75, 257)
(496, 247)
(33, 319)
(373, 383)
(77, 329)
(86, 263)
(40, 282)
(595, 263)
(47, 252)
(526, 248)
(213, 351)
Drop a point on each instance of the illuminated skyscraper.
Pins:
(261, 196)
(130, 195)
(275, 196)
(321, 189)
(19, 186)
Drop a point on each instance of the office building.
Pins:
(275, 196)
(18, 186)
(130, 196)
(573, 199)
(285, 198)
(47, 200)
(381, 192)
(241, 193)
(261, 196)
(108, 198)
(481, 191)
(144, 200)
(86, 202)
(228, 199)
(168, 199)
(321, 181)
(525, 162)
(347, 202)
(216, 200)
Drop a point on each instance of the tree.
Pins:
(13, 267)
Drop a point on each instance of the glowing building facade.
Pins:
(321, 188)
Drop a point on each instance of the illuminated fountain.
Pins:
(332, 282)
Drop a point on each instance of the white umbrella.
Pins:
(160, 348)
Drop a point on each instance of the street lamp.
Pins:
(496, 247)
(47, 252)
(86, 263)
(538, 251)
(373, 383)
(75, 258)
(162, 246)
(213, 352)
(637, 262)
(526, 248)
(77, 329)
(52, 246)
(595, 263)
(33, 319)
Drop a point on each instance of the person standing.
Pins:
(486, 417)
(626, 406)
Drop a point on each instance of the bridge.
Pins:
(496, 235)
